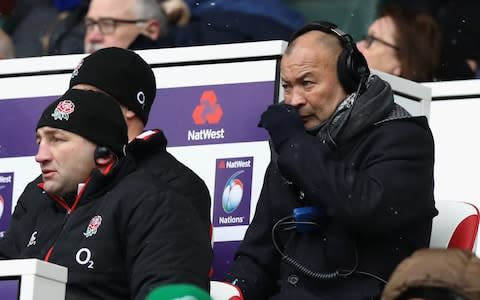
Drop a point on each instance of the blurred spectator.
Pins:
(221, 22)
(49, 27)
(435, 274)
(276, 10)
(137, 22)
(135, 27)
(460, 25)
(72, 26)
(7, 50)
(403, 43)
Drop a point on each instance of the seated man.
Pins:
(125, 76)
(119, 234)
(349, 191)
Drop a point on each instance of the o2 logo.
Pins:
(232, 193)
(83, 257)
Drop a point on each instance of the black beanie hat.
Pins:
(94, 116)
(122, 74)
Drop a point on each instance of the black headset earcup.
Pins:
(345, 73)
(101, 152)
(351, 69)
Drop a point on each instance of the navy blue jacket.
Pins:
(375, 197)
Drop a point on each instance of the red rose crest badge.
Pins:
(63, 110)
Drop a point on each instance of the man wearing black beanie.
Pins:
(125, 76)
(119, 233)
(77, 122)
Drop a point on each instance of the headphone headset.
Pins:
(352, 68)
(101, 152)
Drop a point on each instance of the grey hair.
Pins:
(152, 9)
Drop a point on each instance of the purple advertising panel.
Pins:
(10, 288)
(223, 258)
(18, 119)
(201, 115)
(233, 190)
(215, 114)
(6, 189)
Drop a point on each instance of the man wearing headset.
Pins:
(349, 191)
(119, 233)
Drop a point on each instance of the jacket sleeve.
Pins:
(256, 261)
(20, 225)
(389, 179)
(165, 243)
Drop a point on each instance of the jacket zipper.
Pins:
(69, 210)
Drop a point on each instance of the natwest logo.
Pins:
(208, 111)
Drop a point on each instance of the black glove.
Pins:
(282, 122)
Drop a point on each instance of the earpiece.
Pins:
(101, 152)
(352, 67)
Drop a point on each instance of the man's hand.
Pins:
(282, 122)
(177, 11)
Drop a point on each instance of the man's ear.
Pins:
(129, 114)
(152, 29)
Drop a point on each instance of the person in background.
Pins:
(349, 191)
(124, 75)
(49, 27)
(223, 22)
(136, 24)
(7, 49)
(275, 10)
(403, 43)
(119, 234)
(435, 274)
(459, 58)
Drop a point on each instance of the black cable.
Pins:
(372, 275)
(303, 269)
(288, 221)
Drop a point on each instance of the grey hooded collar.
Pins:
(355, 114)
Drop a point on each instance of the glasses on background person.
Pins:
(369, 39)
(108, 25)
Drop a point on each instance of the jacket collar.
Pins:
(356, 113)
(149, 142)
(96, 185)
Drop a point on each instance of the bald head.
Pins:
(309, 76)
(317, 38)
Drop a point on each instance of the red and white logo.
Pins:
(63, 110)
(208, 111)
(221, 164)
(92, 227)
